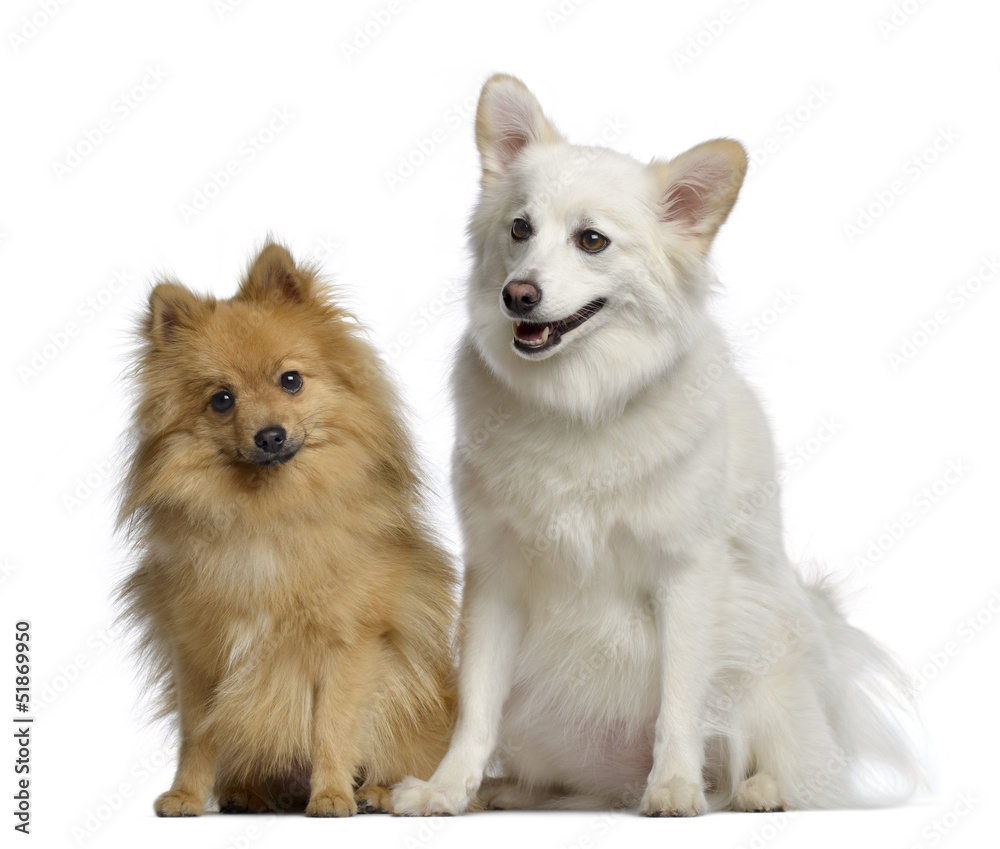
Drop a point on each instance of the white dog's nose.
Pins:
(521, 296)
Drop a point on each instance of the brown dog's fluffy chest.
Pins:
(249, 597)
(257, 618)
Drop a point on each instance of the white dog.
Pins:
(633, 632)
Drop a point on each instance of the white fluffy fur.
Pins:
(633, 631)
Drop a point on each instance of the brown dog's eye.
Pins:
(592, 241)
(520, 230)
(291, 382)
(222, 402)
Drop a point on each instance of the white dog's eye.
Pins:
(592, 241)
(520, 230)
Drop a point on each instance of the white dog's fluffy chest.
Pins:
(617, 498)
(598, 515)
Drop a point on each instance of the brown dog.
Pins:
(289, 598)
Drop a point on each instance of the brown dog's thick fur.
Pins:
(290, 601)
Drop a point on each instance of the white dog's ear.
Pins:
(698, 189)
(507, 120)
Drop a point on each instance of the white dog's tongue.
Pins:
(532, 334)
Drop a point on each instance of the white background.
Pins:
(867, 89)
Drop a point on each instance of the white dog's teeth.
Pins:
(532, 343)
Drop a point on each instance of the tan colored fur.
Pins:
(298, 616)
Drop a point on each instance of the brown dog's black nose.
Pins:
(271, 439)
(521, 296)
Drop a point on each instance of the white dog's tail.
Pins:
(870, 706)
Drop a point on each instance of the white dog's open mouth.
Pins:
(532, 338)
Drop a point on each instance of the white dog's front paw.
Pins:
(758, 793)
(415, 798)
(674, 797)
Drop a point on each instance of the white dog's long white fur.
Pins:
(633, 632)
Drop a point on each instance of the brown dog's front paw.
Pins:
(240, 800)
(331, 805)
(373, 799)
(178, 803)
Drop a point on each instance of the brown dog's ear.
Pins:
(698, 188)
(274, 277)
(172, 308)
(508, 119)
